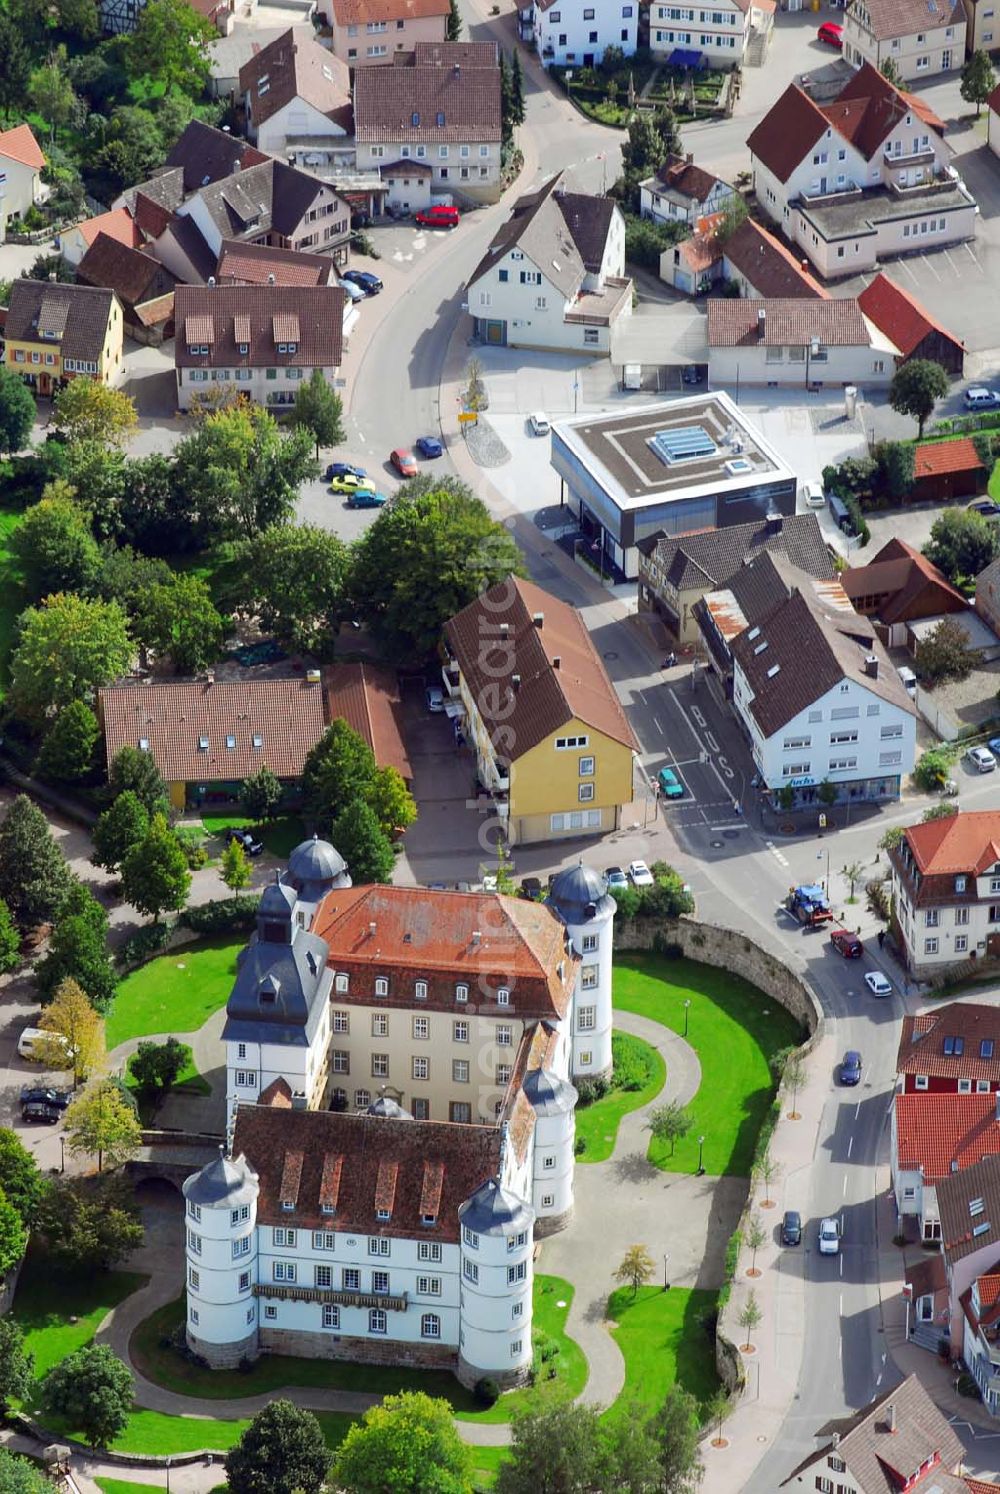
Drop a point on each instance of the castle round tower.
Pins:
(579, 895)
(553, 1163)
(497, 1275)
(221, 1259)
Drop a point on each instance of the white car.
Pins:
(640, 874)
(813, 495)
(981, 758)
(435, 699)
(539, 424)
(877, 983)
(829, 1237)
(29, 1039)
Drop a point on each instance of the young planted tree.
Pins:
(260, 794)
(118, 829)
(718, 1408)
(826, 793)
(409, 1442)
(794, 1078)
(853, 873)
(236, 869)
(74, 1033)
(765, 1172)
(391, 800)
(319, 408)
(102, 1124)
(283, 1451)
(755, 1236)
(916, 388)
(91, 1390)
(677, 1429)
(155, 876)
(669, 1122)
(750, 1318)
(67, 750)
(636, 1268)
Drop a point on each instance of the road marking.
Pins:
(841, 1304)
(841, 1264)
(930, 267)
(972, 256)
(656, 723)
(950, 260)
(779, 856)
(697, 715)
(845, 1185)
(857, 1111)
(878, 1382)
(850, 1147)
(902, 265)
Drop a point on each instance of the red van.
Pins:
(438, 216)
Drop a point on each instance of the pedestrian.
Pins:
(881, 938)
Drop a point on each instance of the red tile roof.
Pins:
(904, 578)
(899, 315)
(367, 697)
(789, 128)
(787, 321)
(19, 144)
(118, 224)
(310, 318)
(256, 264)
(944, 1133)
(458, 83)
(770, 268)
(360, 12)
(921, 1043)
(484, 940)
(966, 842)
(944, 458)
(296, 66)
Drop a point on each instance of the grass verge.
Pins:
(121, 1486)
(45, 1302)
(597, 1123)
(664, 1341)
(176, 992)
(280, 836)
(734, 1029)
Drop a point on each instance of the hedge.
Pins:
(225, 915)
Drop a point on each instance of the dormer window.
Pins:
(293, 347)
(986, 1048)
(959, 884)
(288, 1204)
(340, 982)
(258, 740)
(143, 744)
(244, 347)
(383, 1215)
(202, 744)
(231, 743)
(428, 1220)
(503, 996)
(381, 986)
(414, 119)
(440, 119)
(954, 1046)
(420, 990)
(461, 992)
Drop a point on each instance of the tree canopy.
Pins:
(34, 877)
(89, 1223)
(282, 1451)
(78, 950)
(408, 1444)
(155, 876)
(89, 410)
(91, 1390)
(66, 648)
(17, 404)
(101, 1124)
(136, 771)
(915, 389)
(293, 579)
(178, 618)
(320, 409)
(962, 543)
(53, 545)
(118, 829)
(978, 79)
(363, 844)
(171, 44)
(238, 474)
(69, 745)
(22, 1183)
(72, 1033)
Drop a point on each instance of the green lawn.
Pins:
(486, 1465)
(165, 1367)
(177, 992)
(121, 1486)
(734, 1029)
(993, 486)
(280, 836)
(597, 1124)
(44, 1303)
(154, 1432)
(11, 597)
(664, 1341)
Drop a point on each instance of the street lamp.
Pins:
(168, 1475)
(701, 1153)
(666, 1283)
(687, 1008)
(826, 884)
(62, 1153)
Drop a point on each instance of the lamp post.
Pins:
(826, 884)
(687, 1009)
(666, 1283)
(701, 1154)
(168, 1475)
(62, 1153)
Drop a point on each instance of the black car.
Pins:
(364, 280)
(360, 220)
(243, 838)
(691, 374)
(531, 887)
(34, 1095)
(43, 1115)
(791, 1228)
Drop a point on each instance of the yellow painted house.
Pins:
(58, 332)
(552, 742)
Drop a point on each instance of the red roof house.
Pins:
(908, 324)
(947, 469)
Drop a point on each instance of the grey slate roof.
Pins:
(222, 1181)
(491, 1210)
(547, 1094)
(205, 154)
(966, 1227)
(715, 555)
(562, 233)
(578, 888)
(269, 196)
(280, 991)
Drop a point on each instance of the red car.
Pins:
(439, 215)
(847, 944)
(831, 34)
(403, 462)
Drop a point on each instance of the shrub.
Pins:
(645, 241)
(486, 1392)
(632, 1069)
(579, 1147)
(858, 520)
(225, 915)
(143, 945)
(586, 1093)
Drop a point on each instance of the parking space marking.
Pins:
(972, 256)
(656, 723)
(698, 716)
(902, 265)
(930, 267)
(950, 260)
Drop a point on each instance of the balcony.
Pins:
(450, 679)
(287, 1292)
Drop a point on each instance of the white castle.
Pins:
(400, 1067)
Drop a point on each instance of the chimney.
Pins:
(892, 1416)
(476, 937)
(537, 620)
(457, 70)
(689, 158)
(836, 1439)
(804, 266)
(773, 521)
(504, 629)
(515, 682)
(556, 661)
(211, 279)
(371, 929)
(871, 666)
(210, 676)
(761, 322)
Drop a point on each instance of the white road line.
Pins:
(884, 1357)
(930, 267)
(845, 1186)
(779, 856)
(878, 1382)
(841, 1264)
(841, 1304)
(857, 1111)
(972, 256)
(902, 265)
(850, 1148)
(656, 723)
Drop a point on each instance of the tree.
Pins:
(66, 648)
(73, 1033)
(136, 772)
(34, 877)
(391, 800)
(239, 474)
(890, 71)
(52, 94)
(18, 1476)
(102, 1124)
(15, 77)
(78, 18)
(408, 1444)
(766, 1171)
(99, 475)
(319, 408)
(170, 43)
(750, 1316)
(794, 1078)
(13, 1236)
(652, 137)
(962, 543)
(670, 1122)
(717, 1409)
(53, 545)
(78, 951)
(892, 838)
(338, 772)
(943, 811)
(506, 104)
(260, 794)
(87, 410)
(16, 1378)
(516, 90)
(91, 1390)
(67, 751)
(636, 1268)
(23, 1185)
(755, 1237)
(826, 793)
(916, 387)
(17, 404)
(677, 1429)
(236, 869)
(155, 1067)
(155, 876)
(179, 618)
(294, 579)
(556, 1448)
(89, 1223)
(421, 562)
(669, 896)
(118, 829)
(10, 941)
(282, 1451)
(454, 33)
(978, 80)
(734, 213)
(945, 653)
(125, 576)
(363, 845)
(854, 873)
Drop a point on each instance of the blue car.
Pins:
(670, 785)
(994, 745)
(366, 498)
(343, 469)
(850, 1069)
(429, 446)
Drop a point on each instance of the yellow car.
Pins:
(348, 483)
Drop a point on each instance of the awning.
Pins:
(683, 57)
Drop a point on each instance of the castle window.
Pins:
(504, 1036)
(381, 986)
(324, 1276)
(589, 943)
(586, 1059)
(503, 996)
(251, 1314)
(470, 1238)
(323, 1239)
(341, 1021)
(428, 1250)
(515, 1348)
(350, 1279)
(241, 1050)
(270, 1312)
(460, 1032)
(517, 1273)
(586, 1019)
(331, 1316)
(362, 1099)
(194, 1242)
(244, 1281)
(380, 1065)
(421, 1028)
(588, 977)
(195, 1212)
(420, 990)
(284, 1270)
(285, 1237)
(194, 1278)
(470, 1271)
(341, 1062)
(421, 1068)
(430, 1325)
(428, 1286)
(461, 992)
(380, 1282)
(548, 1199)
(246, 1078)
(377, 1320)
(517, 1311)
(241, 1247)
(193, 1315)
(460, 1071)
(340, 982)
(240, 1215)
(518, 1241)
(503, 1073)
(378, 1245)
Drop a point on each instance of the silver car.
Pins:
(981, 758)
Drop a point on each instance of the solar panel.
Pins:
(686, 443)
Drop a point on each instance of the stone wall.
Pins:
(551, 1224)
(327, 1345)
(223, 1356)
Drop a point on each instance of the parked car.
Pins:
(352, 292)
(831, 35)
(850, 1067)
(31, 1037)
(616, 877)
(829, 1237)
(403, 462)
(640, 874)
(847, 944)
(813, 495)
(347, 482)
(33, 1094)
(691, 374)
(364, 280)
(978, 398)
(539, 424)
(41, 1114)
(243, 838)
(531, 887)
(366, 498)
(994, 745)
(877, 983)
(670, 785)
(981, 759)
(438, 215)
(434, 696)
(344, 469)
(791, 1228)
(986, 507)
(429, 447)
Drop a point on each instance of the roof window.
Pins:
(440, 118)
(202, 744)
(986, 1048)
(230, 742)
(143, 744)
(976, 1206)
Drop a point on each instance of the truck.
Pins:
(846, 944)
(809, 905)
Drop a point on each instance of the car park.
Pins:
(831, 35)
(403, 462)
(434, 696)
(366, 498)
(539, 424)
(344, 469)
(243, 838)
(33, 1094)
(40, 1114)
(438, 215)
(981, 759)
(670, 785)
(347, 482)
(847, 944)
(791, 1228)
(640, 874)
(829, 1237)
(616, 877)
(365, 281)
(877, 983)
(978, 398)
(429, 447)
(850, 1067)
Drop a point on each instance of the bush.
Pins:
(486, 1392)
(143, 945)
(225, 915)
(645, 241)
(632, 1069)
(858, 521)
(579, 1147)
(586, 1092)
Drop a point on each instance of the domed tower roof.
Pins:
(388, 1109)
(579, 893)
(315, 868)
(223, 1182)
(277, 901)
(547, 1094)
(493, 1211)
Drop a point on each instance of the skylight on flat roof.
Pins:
(687, 443)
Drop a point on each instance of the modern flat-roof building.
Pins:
(686, 464)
